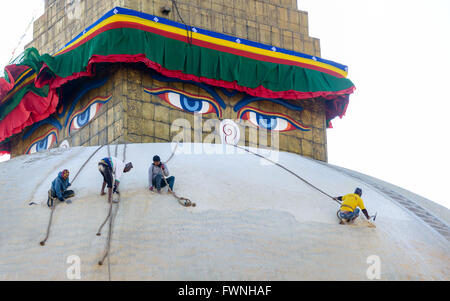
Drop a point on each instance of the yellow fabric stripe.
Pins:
(221, 42)
(27, 81)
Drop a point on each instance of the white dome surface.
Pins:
(253, 221)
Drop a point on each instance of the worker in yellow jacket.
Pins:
(349, 204)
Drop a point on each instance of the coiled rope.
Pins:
(181, 200)
(42, 243)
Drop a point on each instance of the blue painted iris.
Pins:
(187, 102)
(82, 118)
(266, 122)
(44, 143)
(271, 121)
(191, 105)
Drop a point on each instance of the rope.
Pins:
(183, 201)
(109, 214)
(99, 232)
(288, 170)
(173, 154)
(297, 176)
(188, 27)
(111, 217)
(42, 243)
(75, 177)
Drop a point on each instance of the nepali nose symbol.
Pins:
(229, 132)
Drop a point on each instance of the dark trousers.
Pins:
(106, 172)
(66, 194)
(159, 182)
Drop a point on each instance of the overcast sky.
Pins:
(396, 126)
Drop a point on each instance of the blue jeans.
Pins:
(349, 215)
(159, 182)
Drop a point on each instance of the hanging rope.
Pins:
(99, 232)
(173, 153)
(306, 182)
(288, 170)
(111, 217)
(42, 243)
(188, 27)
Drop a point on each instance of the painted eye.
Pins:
(187, 102)
(83, 118)
(270, 121)
(43, 144)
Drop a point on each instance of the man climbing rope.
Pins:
(59, 189)
(156, 175)
(112, 170)
(348, 210)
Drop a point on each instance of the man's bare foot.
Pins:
(102, 193)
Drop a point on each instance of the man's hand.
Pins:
(162, 166)
(366, 214)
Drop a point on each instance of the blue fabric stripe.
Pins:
(130, 12)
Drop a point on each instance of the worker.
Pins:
(59, 189)
(112, 170)
(156, 175)
(348, 210)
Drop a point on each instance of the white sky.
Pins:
(396, 126)
(398, 57)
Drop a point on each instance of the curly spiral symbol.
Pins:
(65, 144)
(230, 132)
